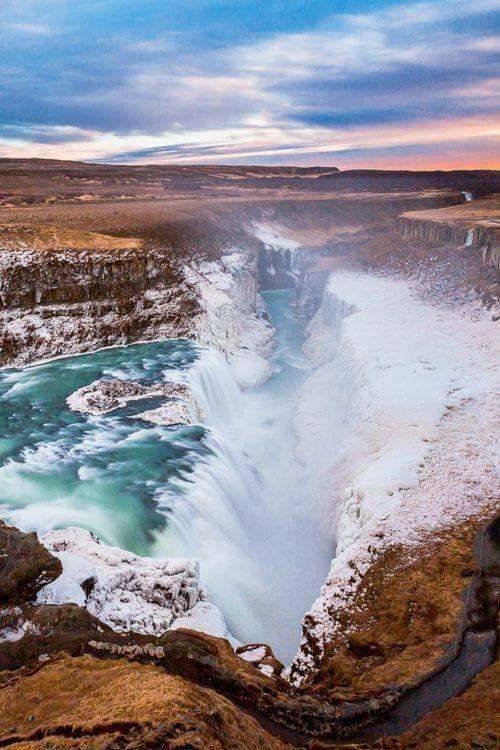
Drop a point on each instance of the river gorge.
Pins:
(268, 443)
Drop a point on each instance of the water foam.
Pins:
(244, 510)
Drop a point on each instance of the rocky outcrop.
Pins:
(474, 225)
(232, 317)
(483, 238)
(106, 395)
(63, 300)
(29, 632)
(125, 591)
(172, 412)
(25, 565)
(309, 291)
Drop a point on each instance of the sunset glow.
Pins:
(364, 84)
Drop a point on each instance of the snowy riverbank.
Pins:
(405, 443)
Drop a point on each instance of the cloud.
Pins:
(31, 29)
(180, 82)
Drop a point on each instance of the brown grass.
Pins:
(102, 700)
(46, 237)
(404, 617)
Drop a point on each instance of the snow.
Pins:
(128, 592)
(171, 413)
(254, 654)
(105, 395)
(249, 368)
(19, 630)
(204, 617)
(232, 319)
(405, 442)
(272, 236)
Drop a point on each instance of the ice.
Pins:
(128, 592)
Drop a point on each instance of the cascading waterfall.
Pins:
(244, 511)
(230, 492)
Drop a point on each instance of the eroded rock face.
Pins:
(25, 565)
(66, 300)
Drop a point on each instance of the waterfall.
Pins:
(214, 510)
(243, 510)
(214, 388)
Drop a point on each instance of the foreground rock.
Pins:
(28, 633)
(25, 565)
(91, 703)
(125, 591)
(81, 695)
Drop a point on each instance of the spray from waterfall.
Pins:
(243, 511)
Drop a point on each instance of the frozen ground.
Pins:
(126, 591)
(406, 442)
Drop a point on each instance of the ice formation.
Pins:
(128, 592)
(233, 321)
(405, 442)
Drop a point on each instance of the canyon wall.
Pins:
(64, 301)
(70, 291)
(483, 238)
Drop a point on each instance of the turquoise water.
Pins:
(230, 493)
(60, 468)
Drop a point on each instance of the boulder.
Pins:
(25, 565)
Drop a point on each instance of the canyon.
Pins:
(250, 413)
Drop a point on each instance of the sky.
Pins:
(348, 83)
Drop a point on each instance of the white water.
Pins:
(245, 512)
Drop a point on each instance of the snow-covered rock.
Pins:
(232, 320)
(404, 444)
(249, 368)
(128, 592)
(17, 626)
(105, 395)
(171, 413)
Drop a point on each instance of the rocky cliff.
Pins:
(68, 292)
(475, 224)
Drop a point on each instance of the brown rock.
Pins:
(25, 565)
(45, 629)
